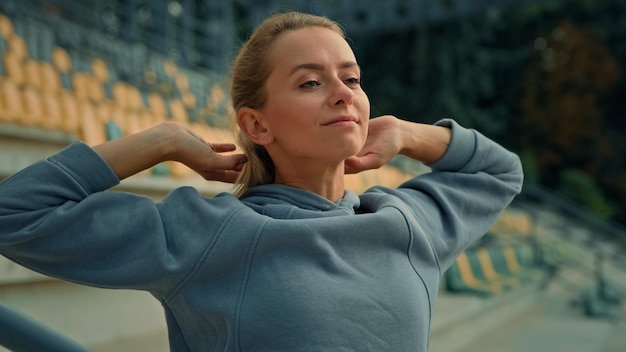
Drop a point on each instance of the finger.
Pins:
(228, 162)
(223, 147)
(228, 176)
(356, 164)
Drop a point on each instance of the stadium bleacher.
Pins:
(55, 75)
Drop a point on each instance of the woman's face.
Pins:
(315, 106)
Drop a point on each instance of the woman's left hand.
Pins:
(384, 141)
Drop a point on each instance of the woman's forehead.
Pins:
(312, 45)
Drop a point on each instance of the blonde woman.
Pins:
(292, 261)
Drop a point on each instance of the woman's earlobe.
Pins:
(251, 123)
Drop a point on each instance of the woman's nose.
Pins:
(341, 94)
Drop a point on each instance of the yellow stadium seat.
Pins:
(32, 74)
(189, 100)
(95, 89)
(157, 105)
(170, 68)
(100, 70)
(13, 105)
(179, 113)
(133, 123)
(6, 26)
(182, 82)
(14, 69)
(92, 129)
(50, 80)
(53, 113)
(61, 60)
(461, 278)
(80, 85)
(17, 47)
(490, 272)
(33, 108)
(135, 101)
(71, 113)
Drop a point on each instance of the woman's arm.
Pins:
(170, 141)
(473, 180)
(55, 217)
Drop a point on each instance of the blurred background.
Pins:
(542, 77)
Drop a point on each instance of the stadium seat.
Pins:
(178, 111)
(12, 103)
(509, 268)
(156, 104)
(100, 70)
(80, 85)
(50, 79)
(53, 113)
(6, 26)
(14, 69)
(460, 278)
(17, 47)
(32, 74)
(33, 108)
(491, 274)
(480, 272)
(71, 113)
(61, 60)
(92, 129)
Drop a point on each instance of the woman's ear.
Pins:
(251, 122)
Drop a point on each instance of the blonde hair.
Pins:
(249, 72)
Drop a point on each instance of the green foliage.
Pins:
(532, 175)
(542, 79)
(582, 189)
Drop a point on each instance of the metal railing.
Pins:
(20, 333)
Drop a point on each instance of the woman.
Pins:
(293, 262)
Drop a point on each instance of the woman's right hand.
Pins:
(171, 141)
(205, 158)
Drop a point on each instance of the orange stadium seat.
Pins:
(70, 112)
(16, 46)
(50, 79)
(95, 89)
(179, 113)
(32, 74)
(100, 70)
(92, 129)
(157, 105)
(189, 100)
(61, 60)
(33, 108)
(14, 69)
(80, 84)
(6, 26)
(53, 113)
(13, 105)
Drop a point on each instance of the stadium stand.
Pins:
(58, 76)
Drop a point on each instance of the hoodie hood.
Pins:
(287, 202)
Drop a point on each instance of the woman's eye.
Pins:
(310, 84)
(353, 81)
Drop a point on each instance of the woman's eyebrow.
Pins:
(319, 67)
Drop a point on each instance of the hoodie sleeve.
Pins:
(462, 197)
(57, 219)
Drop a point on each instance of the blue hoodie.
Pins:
(281, 269)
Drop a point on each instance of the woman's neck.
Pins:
(326, 181)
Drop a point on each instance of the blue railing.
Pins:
(20, 333)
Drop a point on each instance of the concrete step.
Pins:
(557, 324)
(156, 342)
(460, 319)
